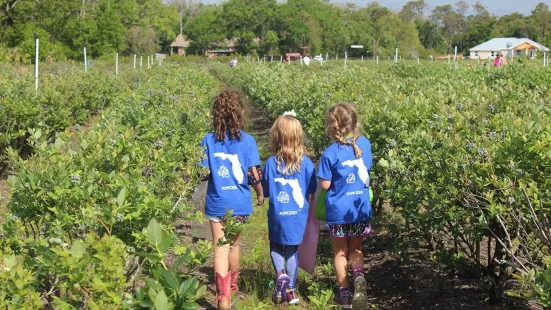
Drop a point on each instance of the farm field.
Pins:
(460, 182)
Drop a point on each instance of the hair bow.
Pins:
(291, 113)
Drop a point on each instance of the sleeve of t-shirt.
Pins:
(265, 180)
(204, 153)
(369, 156)
(254, 157)
(324, 170)
(312, 184)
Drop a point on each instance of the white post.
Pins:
(362, 58)
(396, 56)
(141, 62)
(85, 61)
(449, 59)
(36, 46)
(417, 60)
(345, 58)
(326, 56)
(258, 59)
(272, 58)
(377, 59)
(431, 58)
(455, 57)
(148, 62)
(116, 64)
(134, 61)
(544, 57)
(301, 60)
(337, 57)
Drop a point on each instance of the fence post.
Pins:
(345, 58)
(116, 64)
(141, 61)
(37, 48)
(134, 61)
(377, 59)
(326, 56)
(85, 61)
(455, 57)
(362, 58)
(396, 56)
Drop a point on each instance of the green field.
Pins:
(460, 183)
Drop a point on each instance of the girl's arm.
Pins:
(258, 187)
(324, 184)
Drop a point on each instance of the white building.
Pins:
(509, 47)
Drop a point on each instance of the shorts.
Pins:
(350, 230)
(241, 219)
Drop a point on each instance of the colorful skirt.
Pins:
(350, 230)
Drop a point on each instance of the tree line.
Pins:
(265, 27)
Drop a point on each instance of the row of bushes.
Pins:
(79, 222)
(462, 155)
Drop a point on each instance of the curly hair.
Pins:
(341, 122)
(227, 114)
(287, 144)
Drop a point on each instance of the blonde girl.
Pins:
(231, 154)
(344, 172)
(289, 181)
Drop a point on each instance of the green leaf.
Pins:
(161, 301)
(152, 256)
(154, 233)
(188, 286)
(171, 279)
(190, 305)
(78, 249)
(166, 242)
(383, 163)
(181, 260)
(121, 197)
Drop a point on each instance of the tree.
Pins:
(203, 30)
(541, 17)
(448, 22)
(413, 11)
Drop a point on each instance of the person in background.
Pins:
(233, 62)
(232, 157)
(499, 61)
(306, 60)
(344, 172)
(289, 180)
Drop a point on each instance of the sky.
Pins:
(495, 7)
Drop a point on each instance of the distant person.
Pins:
(499, 61)
(289, 180)
(306, 60)
(233, 62)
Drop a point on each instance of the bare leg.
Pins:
(356, 255)
(340, 252)
(221, 253)
(234, 256)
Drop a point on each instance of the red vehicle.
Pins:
(296, 56)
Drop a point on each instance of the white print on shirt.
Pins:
(354, 193)
(362, 169)
(351, 178)
(283, 197)
(229, 188)
(223, 172)
(297, 191)
(288, 213)
(235, 165)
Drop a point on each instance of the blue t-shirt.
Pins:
(229, 162)
(347, 199)
(288, 208)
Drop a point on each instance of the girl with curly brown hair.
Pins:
(344, 173)
(231, 154)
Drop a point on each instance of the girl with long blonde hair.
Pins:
(344, 172)
(289, 181)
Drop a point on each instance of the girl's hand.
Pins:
(260, 200)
